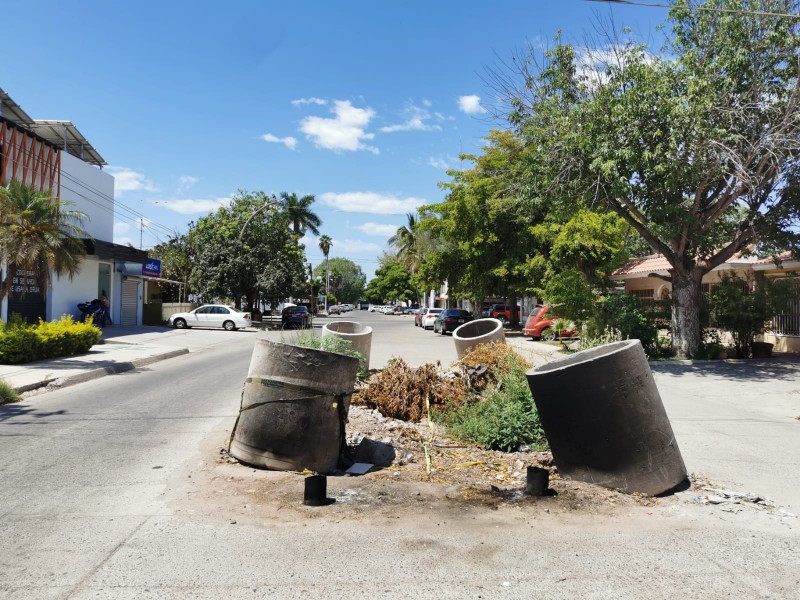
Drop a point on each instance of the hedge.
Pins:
(20, 343)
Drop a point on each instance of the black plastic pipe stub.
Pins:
(537, 481)
(316, 491)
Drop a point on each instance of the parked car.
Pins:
(418, 316)
(540, 321)
(296, 316)
(334, 309)
(429, 317)
(502, 312)
(449, 319)
(211, 315)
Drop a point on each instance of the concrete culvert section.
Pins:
(359, 336)
(604, 420)
(480, 331)
(294, 408)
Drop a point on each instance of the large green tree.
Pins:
(176, 256)
(38, 233)
(481, 228)
(259, 261)
(392, 282)
(697, 151)
(347, 280)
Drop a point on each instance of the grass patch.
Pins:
(7, 393)
(329, 343)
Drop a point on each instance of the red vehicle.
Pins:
(541, 320)
(502, 312)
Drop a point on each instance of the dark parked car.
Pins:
(296, 316)
(449, 319)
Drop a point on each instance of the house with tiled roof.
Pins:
(643, 277)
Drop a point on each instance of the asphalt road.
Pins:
(102, 495)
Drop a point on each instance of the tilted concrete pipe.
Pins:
(604, 420)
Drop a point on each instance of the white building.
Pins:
(54, 156)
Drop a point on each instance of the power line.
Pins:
(703, 8)
(151, 225)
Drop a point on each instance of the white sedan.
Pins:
(429, 317)
(211, 315)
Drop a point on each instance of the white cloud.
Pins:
(438, 162)
(355, 247)
(371, 203)
(593, 63)
(191, 207)
(126, 241)
(288, 141)
(186, 182)
(128, 180)
(312, 100)
(377, 229)
(417, 118)
(345, 131)
(121, 228)
(471, 105)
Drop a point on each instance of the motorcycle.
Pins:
(96, 310)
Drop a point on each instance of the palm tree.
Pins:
(38, 233)
(325, 243)
(300, 215)
(405, 240)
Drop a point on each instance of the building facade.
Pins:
(54, 157)
(640, 276)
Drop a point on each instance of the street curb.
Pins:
(102, 371)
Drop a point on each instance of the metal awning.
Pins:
(67, 137)
(61, 134)
(13, 111)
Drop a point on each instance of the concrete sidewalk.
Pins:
(122, 349)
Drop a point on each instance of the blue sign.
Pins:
(152, 268)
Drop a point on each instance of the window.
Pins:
(788, 323)
(643, 294)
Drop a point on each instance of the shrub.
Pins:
(625, 314)
(65, 337)
(503, 418)
(25, 343)
(711, 347)
(7, 393)
(745, 309)
(19, 345)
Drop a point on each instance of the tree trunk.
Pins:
(686, 289)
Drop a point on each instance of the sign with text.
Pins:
(26, 297)
(152, 268)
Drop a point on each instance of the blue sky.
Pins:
(363, 104)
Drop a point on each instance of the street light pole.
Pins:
(270, 203)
